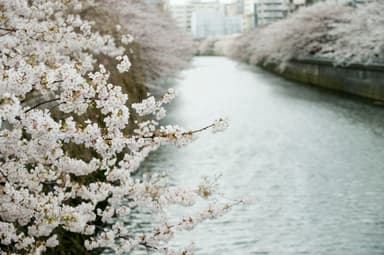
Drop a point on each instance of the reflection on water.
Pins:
(310, 160)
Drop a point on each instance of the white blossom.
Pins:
(127, 39)
(146, 107)
(124, 65)
(220, 125)
(52, 241)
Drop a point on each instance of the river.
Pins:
(310, 161)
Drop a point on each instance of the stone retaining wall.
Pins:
(357, 79)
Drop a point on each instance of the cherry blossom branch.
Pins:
(8, 29)
(200, 130)
(54, 100)
(6, 33)
(146, 245)
(157, 133)
(77, 163)
(42, 103)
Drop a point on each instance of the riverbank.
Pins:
(361, 80)
(330, 45)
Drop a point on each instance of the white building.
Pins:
(182, 14)
(268, 11)
(263, 12)
(211, 5)
(231, 9)
(211, 23)
(248, 21)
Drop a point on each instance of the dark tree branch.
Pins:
(8, 29)
(42, 103)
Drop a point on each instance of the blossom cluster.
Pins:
(56, 104)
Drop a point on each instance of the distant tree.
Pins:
(300, 34)
(335, 31)
(360, 39)
(215, 46)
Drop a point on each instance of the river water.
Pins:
(310, 161)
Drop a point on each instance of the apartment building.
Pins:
(269, 11)
(211, 23)
(182, 13)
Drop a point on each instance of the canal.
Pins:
(310, 162)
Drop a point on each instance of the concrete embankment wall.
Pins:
(361, 80)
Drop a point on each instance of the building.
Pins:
(268, 11)
(198, 5)
(182, 13)
(240, 6)
(212, 23)
(263, 12)
(248, 21)
(231, 9)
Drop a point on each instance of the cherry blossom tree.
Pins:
(298, 35)
(51, 196)
(219, 46)
(163, 47)
(361, 37)
(330, 30)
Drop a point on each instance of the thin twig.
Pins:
(183, 134)
(147, 246)
(199, 130)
